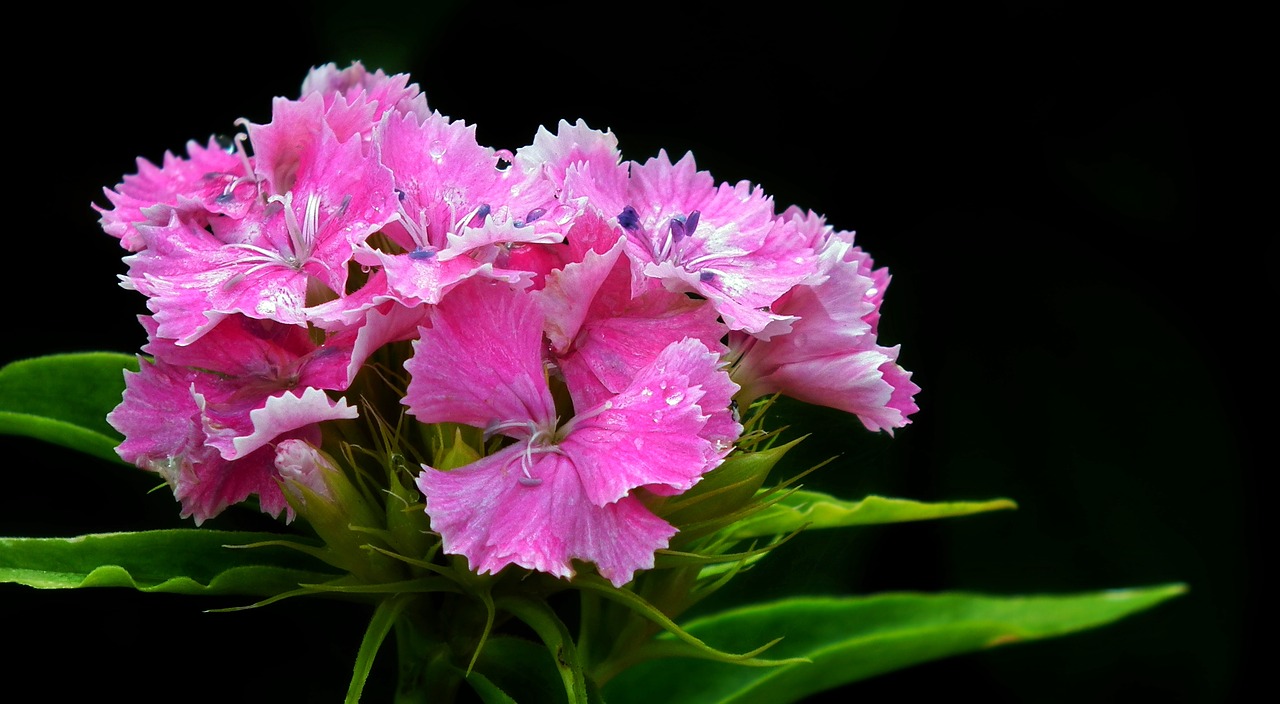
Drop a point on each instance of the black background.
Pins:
(1056, 189)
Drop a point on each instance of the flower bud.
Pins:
(339, 512)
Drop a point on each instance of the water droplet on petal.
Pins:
(675, 398)
(437, 149)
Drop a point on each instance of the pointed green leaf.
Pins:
(181, 561)
(853, 638)
(384, 617)
(813, 509)
(64, 399)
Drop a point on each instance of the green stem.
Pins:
(426, 671)
(588, 623)
(555, 635)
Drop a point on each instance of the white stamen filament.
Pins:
(302, 239)
(417, 229)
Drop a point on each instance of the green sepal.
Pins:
(64, 399)
(724, 489)
(812, 509)
(852, 638)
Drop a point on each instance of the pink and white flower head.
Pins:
(356, 84)
(322, 197)
(565, 489)
(206, 416)
(831, 357)
(722, 243)
(596, 318)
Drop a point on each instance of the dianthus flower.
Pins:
(568, 490)
(600, 320)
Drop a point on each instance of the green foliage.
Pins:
(180, 561)
(64, 399)
(812, 509)
(375, 545)
(853, 638)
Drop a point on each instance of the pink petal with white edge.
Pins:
(279, 415)
(414, 279)
(831, 357)
(160, 417)
(390, 322)
(483, 513)
(868, 383)
(654, 433)
(209, 180)
(480, 362)
(355, 84)
(550, 156)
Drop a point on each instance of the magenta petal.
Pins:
(653, 433)
(483, 512)
(480, 362)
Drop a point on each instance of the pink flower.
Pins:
(562, 491)
(290, 251)
(206, 416)
(722, 243)
(831, 357)
(211, 182)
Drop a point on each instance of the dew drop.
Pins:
(437, 149)
(675, 398)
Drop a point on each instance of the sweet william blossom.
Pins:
(722, 242)
(205, 416)
(565, 489)
(320, 198)
(832, 356)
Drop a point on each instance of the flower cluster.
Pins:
(592, 324)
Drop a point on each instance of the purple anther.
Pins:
(629, 219)
(400, 194)
(678, 228)
(481, 213)
(691, 223)
(706, 277)
(421, 254)
(535, 214)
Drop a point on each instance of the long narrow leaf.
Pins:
(814, 509)
(181, 561)
(384, 618)
(64, 399)
(849, 639)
